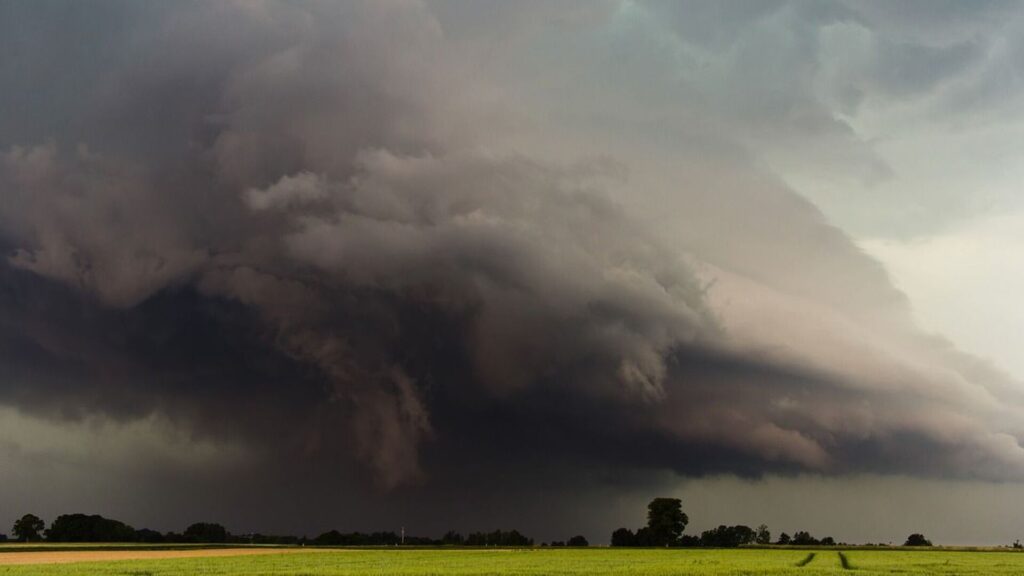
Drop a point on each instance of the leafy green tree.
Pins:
(763, 535)
(784, 539)
(666, 521)
(28, 528)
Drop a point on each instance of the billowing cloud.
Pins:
(373, 244)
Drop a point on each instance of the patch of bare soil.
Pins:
(108, 555)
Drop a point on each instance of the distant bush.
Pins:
(335, 538)
(917, 540)
(498, 538)
(452, 538)
(330, 538)
(578, 541)
(256, 538)
(420, 541)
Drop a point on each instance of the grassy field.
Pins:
(526, 562)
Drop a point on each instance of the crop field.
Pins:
(528, 562)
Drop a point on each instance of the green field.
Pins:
(546, 561)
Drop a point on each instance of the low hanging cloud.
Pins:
(332, 232)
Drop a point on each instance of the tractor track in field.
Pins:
(807, 560)
(843, 560)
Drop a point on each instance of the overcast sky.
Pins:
(294, 266)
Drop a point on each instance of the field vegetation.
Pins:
(94, 545)
(556, 561)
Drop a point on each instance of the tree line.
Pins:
(451, 538)
(95, 528)
(666, 523)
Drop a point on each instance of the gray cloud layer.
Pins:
(425, 246)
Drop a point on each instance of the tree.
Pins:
(763, 535)
(644, 537)
(688, 541)
(623, 537)
(206, 532)
(666, 521)
(784, 539)
(917, 540)
(335, 538)
(89, 528)
(329, 538)
(498, 538)
(578, 540)
(804, 538)
(149, 536)
(27, 528)
(727, 536)
(452, 538)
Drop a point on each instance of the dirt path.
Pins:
(52, 557)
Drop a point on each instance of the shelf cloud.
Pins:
(426, 246)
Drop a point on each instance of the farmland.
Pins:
(539, 561)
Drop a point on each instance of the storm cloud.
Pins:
(413, 248)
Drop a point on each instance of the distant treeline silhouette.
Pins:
(95, 528)
(451, 538)
(666, 522)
